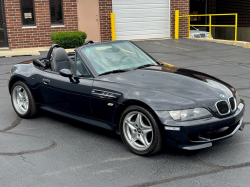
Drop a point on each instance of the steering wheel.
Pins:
(124, 57)
(40, 63)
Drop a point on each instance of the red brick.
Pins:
(183, 7)
(19, 37)
(105, 8)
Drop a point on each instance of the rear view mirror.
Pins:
(66, 73)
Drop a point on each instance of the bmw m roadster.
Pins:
(119, 87)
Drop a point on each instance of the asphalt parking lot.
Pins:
(51, 151)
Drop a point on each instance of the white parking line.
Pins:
(74, 168)
(170, 46)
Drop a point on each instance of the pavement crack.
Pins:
(13, 125)
(187, 176)
(192, 175)
(245, 96)
(7, 64)
(23, 158)
(240, 89)
(52, 145)
(234, 76)
(194, 158)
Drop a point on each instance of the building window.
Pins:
(56, 12)
(28, 12)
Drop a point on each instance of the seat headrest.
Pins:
(59, 54)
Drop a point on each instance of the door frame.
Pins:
(5, 28)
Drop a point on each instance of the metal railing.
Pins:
(177, 18)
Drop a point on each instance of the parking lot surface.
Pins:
(51, 151)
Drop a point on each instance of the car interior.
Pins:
(58, 59)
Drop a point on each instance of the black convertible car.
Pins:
(119, 87)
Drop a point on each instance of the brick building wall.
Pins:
(105, 8)
(19, 37)
(183, 6)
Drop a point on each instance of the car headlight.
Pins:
(190, 114)
(207, 34)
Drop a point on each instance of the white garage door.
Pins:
(141, 19)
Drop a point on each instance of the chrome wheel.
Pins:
(138, 130)
(20, 99)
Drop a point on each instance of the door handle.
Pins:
(46, 81)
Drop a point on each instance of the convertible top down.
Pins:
(119, 87)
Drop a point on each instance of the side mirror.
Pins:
(66, 73)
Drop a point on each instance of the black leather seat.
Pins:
(60, 60)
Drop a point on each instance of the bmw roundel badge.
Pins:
(222, 96)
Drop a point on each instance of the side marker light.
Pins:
(172, 128)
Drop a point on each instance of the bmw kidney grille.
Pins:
(225, 107)
(232, 102)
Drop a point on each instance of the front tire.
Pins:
(22, 100)
(139, 131)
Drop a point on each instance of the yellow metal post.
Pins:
(236, 26)
(177, 14)
(112, 16)
(210, 27)
(189, 26)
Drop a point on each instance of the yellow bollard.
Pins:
(188, 26)
(210, 27)
(177, 14)
(112, 16)
(236, 26)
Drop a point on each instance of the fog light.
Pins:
(172, 128)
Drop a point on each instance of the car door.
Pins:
(104, 101)
(61, 93)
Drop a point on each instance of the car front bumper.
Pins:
(199, 134)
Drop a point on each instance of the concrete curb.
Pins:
(226, 42)
(26, 51)
(18, 53)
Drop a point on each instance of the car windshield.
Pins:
(116, 56)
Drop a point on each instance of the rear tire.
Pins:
(22, 100)
(139, 131)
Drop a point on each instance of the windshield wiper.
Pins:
(144, 66)
(113, 71)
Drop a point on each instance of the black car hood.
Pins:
(176, 81)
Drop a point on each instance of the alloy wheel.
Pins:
(138, 130)
(20, 99)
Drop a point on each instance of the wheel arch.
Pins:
(128, 103)
(13, 81)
